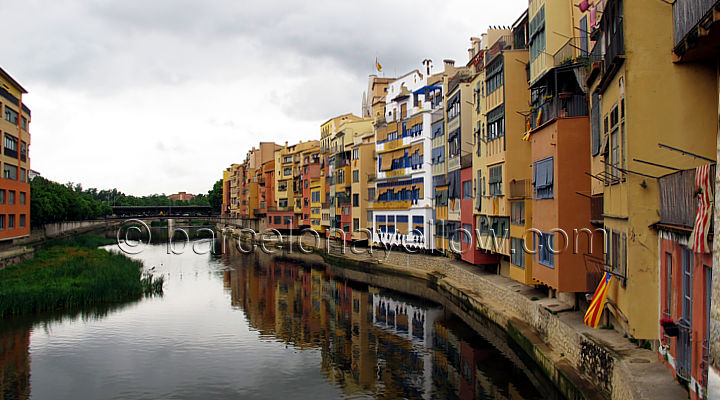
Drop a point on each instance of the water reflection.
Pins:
(250, 326)
(372, 341)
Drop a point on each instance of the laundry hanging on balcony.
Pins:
(699, 237)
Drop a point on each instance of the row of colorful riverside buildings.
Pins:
(574, 134)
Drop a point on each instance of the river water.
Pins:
(252, 326)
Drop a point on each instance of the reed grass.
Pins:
(70, 277)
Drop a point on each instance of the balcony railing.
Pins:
(687, 14)
(678, 203)
(569, 52)
(520, 189)
(503, 43)
(560, 106)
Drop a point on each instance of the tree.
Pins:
(215, 196)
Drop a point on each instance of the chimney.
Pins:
(286, 143)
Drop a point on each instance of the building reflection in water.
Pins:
(15, 364)
(372, 341)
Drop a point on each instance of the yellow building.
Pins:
(501, 156)
(328, 130)
(640, 100)
(289, 208)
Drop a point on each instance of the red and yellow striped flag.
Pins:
(594, 312)
(703, 218)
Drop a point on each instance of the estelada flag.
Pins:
(377, 65)
(594, 312)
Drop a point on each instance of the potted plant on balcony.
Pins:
(670, 327)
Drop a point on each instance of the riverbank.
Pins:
(583, 363)
(72, 273)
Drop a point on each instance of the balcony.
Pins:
(570, 52)
(695, 34)
(503, 43)
(564, 105)
(687, 14)
(678, 203)
(520, 189)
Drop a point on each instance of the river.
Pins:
(252, 326)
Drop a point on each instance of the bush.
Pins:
(71, 277)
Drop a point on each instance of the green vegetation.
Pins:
(215, 196)
(53, 202)
(73, 276)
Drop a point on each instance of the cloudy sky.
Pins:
(159, 96)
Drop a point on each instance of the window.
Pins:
(23, 175)
(356, 154)
(23, 123)
(496, 123)
(438, 129)
(2, 196)
(356, 224)
(441, 198)
(356, 200)
(495, 181)
(11, 115)
(306, 203)
(467, 233)
(453, 107)
(282, 187)
(22, 220)
(287, 171)
(2, 221)
(283, 203)
(11, 146)
(545, 255)
(11, 197)
(454, 143)
(494, 77)
(315, 196)
(517, 213)
(340, 177)
(287, 220)
(543, 177)
(11, 221)
(467, 190)
(23, 151)
(287, 159)
(537, 34)
(438, 155)
(517, 252)
(356, 176)
(500, 226)
(22, 197)
(617, 137)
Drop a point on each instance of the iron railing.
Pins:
(560, 106)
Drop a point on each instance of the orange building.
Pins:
(14, 185)
(181, 196)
